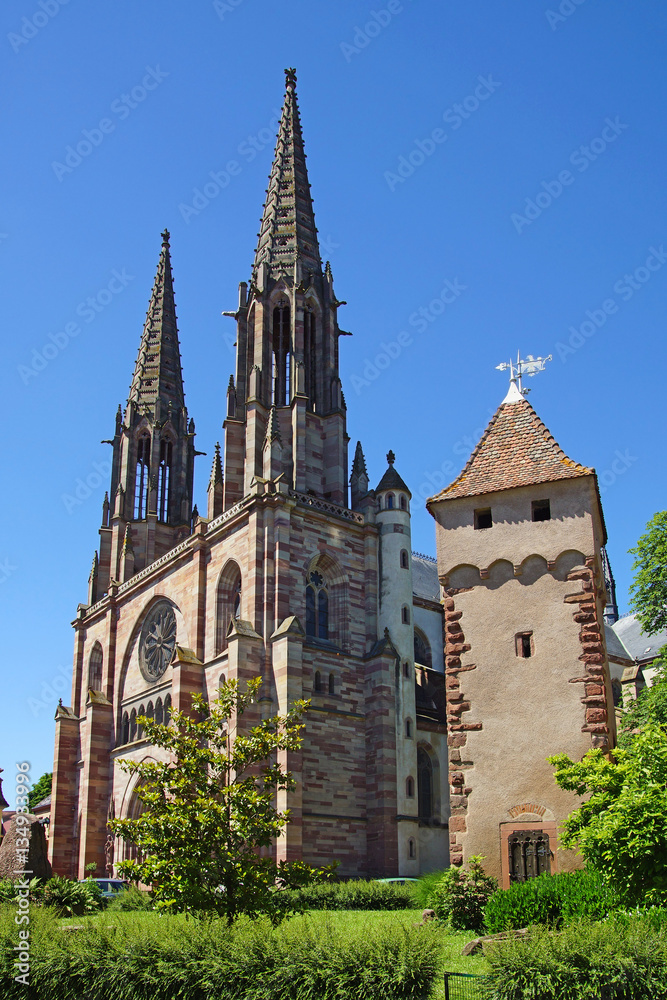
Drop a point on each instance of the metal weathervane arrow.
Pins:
(521, 367)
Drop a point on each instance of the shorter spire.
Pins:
(127, 540)
(216, 470)
(273, 427)
(391, 479)
(359, 463)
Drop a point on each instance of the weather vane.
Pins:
(517, 369)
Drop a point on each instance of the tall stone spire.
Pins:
(288, 230)
(153, 448)
(157, 373)
(358, 478)
(215, 486)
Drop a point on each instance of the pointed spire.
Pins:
(391, 479)
(359, 463)
(288, 230)
(216, 470)
(127, 541)
(157, 373)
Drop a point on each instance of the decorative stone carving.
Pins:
(158, 641)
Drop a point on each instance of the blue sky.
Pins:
(497, 166)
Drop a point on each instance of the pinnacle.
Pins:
(157, 373)
(288, 230)
(273, 427)
(359, 463)
(127, 540)
(216, 470)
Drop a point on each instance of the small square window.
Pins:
(483, 518)
(525, 645)
(541, 510)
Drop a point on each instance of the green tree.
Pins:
(209, 810)
(649, 588)
(621, 830)
(40, 790)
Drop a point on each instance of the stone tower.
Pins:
(520, 535)
(150, 503)
(285, 406)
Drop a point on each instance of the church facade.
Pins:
(295, 575)
(436, 691)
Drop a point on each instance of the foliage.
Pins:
(553, 900)
(72, 899)
(132, 956)
(626, 952)
(422, 890)
(621, 830)
(649, 588)
(9, 890)
(460, 895)
(651, 705)
(210, 808)
(40, 790)
(130, 899)
(353, 895)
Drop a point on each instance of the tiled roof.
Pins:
(516, 449)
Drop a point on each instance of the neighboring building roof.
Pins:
(639, 645)
(42, 806)
(615, 648)
(516, 449)
(425, 583)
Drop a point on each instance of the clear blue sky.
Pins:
(204, 81)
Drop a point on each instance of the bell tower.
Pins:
(286, 414)
(149, 507)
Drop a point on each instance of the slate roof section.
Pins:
(288, 229)
(391, 479)
(516, 449)
(615, 648)
(425, 583)
(640, 646)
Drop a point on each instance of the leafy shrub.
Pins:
(9, 890)
(459, 896)
(130, 899)
(550, 899)
(132, 956)
(72, 899)
(624, 952)
(422, 890)
(354, 895)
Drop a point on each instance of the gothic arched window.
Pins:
(389, 503)
(281, 354)
(405, 559)
(164, 480)
(410, 788)
(228, 603)
(141, 476)
(412, 849)
(133, 726)
(332, 684)
(405, 615)
(403, 502)
(150, 711)
(125, 729)
(317, 607)
(140, 728)
(408, 729)
(167, 710)
(95, 668)
(159, 712)
(318, 681)
(422, 650)
(310, 355)
(424, 784)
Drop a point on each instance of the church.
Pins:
(436, 689)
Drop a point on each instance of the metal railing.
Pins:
(464, 986)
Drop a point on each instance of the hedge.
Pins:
(354, 895)
(134, 956)
(555, 900)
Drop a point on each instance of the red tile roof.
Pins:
(516, 449)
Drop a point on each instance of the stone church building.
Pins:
(303, 574)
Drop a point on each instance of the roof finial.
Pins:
(530, 366)
(290, 79)
(391, 458)
(165, 238)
